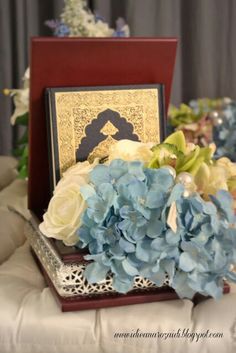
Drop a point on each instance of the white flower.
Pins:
(82, 22)
(21, 102)
(211, 178)
(131, 150)
(63, 217)
(78, 173)
(228, 166)
(26, 78)
(20, 98)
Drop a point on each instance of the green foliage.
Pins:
(175, 152)
(191, 113)
(23, 119)
(183, 115)
(22, 151)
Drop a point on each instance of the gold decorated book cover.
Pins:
(83, 122)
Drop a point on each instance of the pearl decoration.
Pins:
(186, 193)
(184, 178)
(216, 118)
(214, 114)
(187, 180)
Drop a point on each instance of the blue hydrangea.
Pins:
(62, 30)
(126, 230)
(59, 28)
(225, 133)
(208, 239)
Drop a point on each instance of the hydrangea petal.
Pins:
(117, 251)
(136, 168)
(158, 244)
(142, 250)
(161, 179)
(186, 263)
(126, 245)
(129, 268)
(87, 191)
(223, 201)
(181, 286)
(118, 168)
(84, 235)
(155, 199)
(118, 270)
(214, 290)
(158, 278)
(172, 238)
(95, 247)
(95, 272)
(100, 174)
(120, 286)
(155, 227)
(169, 266)
(176, 193)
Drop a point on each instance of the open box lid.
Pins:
(68, 62)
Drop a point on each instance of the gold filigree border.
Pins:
(77, 109)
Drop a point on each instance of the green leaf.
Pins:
(17, 152)
(206, 153)
(186, 162)
(183, 115)
(194, 169)
(163, 154)
(26, 151)
(23, 163)
(23, 119)
(23, 172)
(177, 139)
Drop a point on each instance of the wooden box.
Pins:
(73, 62)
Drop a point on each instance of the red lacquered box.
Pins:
(73, 62)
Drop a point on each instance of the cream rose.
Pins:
(228, 166)
(131, 150)
(63, 217)
(210, 179)
(78, 173)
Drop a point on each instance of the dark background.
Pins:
(206, 62)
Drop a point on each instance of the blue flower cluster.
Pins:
(58, 27)
(225, 133)
(125, 228)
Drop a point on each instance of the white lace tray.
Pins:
(68, 278)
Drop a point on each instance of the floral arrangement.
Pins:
(76, 20)
(145, 212)
(204, 121)
(225, 132)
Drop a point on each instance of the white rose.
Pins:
(63, 217)
(131, 150)
(20, 98)
(21, 102)
(78, 173)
